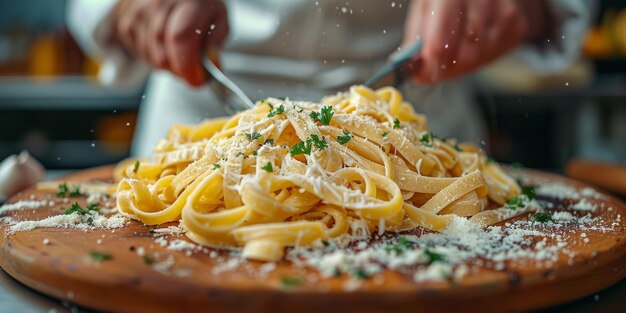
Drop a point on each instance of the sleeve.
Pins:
(90, 22)
(570, 21)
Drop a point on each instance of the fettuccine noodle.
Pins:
(290, 173)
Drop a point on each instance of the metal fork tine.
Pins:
(226, 88)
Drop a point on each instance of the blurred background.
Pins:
(52, 106)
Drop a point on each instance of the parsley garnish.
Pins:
(515, 203)
(324, 116)
(255, 152)
(345, 138)
(291, 281)
(268, 167)
(151, 230)
(62, 190)
(385, 134)
(75, 192)
(253, 136)
(269, 141)
(301, 147)
(278, 111)
(427, 139)
(319, 143)
(77, 209)
(529, 192)
(147, 260)
(489, 160)
(401, 246)
(457, 148)
(239, 154)
(100, 256)
(433, 256)
(136, 166)
(396, 123)
(216, 166)
(360, 273)
(543, 217)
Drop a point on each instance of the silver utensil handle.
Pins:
(395, 63)
(215, 72)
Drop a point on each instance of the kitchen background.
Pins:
(51, 105)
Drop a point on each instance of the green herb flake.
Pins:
(277, 111)
(360, 273)
(401, 246)
(457, 148)
(75, 209)
(543, 217)
(433, 256)
(268, 167)
(384, 134)
(216, 166)
(253, 136)
(324, 116)
(62, 190)
(151, 231)
(75, 192)
(291, 281)
(147, 260)
(529, 192)
(427, 139)
(269, 142)
(489, 160)
(345, 138)
(136, 168)
(396, 123)
(319, 143)
(516, 203)
(255, 153)
(300, 148)
(100, 256)
(239, 154)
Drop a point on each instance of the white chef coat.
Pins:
(303, 49)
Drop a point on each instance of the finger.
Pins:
(441, 38)
(127, 21)
(507, 31)
(183, 44)
(156, 35)
(218, 29)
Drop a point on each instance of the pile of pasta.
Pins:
(288, 173)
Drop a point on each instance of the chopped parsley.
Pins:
(457, 148)
(269, 142)
(255, 152)
(385, 134)
(433, 256)
(239, 154)
(62, 190)
(516, 203)
(396, 123)
(543, 217)
(427, 139)
(277, 111)
(81, 211)
(319, 143)
(253, 136)
(529, 192)
(151, 230)
(401, 246)
(302, 147)
(100, 256)
(489, 160)
(345, 138)
(324, 116)
(136, 166)
(360, 273)
(291, 281)
(75, 192)
(147, 260)
(268, 167)
(216, 166)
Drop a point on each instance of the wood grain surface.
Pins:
(64, 269)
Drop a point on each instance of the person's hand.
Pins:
(459, 36)
(171, 34)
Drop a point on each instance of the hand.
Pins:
(171, 34)
(462, 35)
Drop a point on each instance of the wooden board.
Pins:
(63, 269)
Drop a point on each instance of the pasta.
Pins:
(292, 173)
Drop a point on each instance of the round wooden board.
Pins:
(63, 269)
